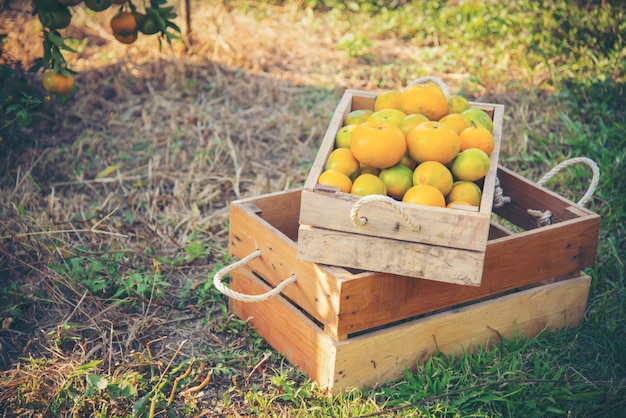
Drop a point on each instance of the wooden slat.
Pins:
(381, 356)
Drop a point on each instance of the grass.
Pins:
(108, 244)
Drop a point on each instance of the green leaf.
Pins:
(97, 381)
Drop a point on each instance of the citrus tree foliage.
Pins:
(153, 17)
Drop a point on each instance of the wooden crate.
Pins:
(450, 246)
(346, 302)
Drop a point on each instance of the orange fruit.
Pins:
(408, 161)
(423, 194)
(342, 138)
(394, 116)
(364, 169)
(458, 202)
(424, 98)
(470, 165)
(335, 179)
(57, 83)
(357, 117)
(124, 27)
(367, 184)
(458, 103)
(477, 136)
(465, 191)
(58, 18)
(456, 121)
(342, 160)
(479, 117)
(433, 173)
(433, 141)
(387, 100)
(410, 122)
(398, 179)
(378, 144)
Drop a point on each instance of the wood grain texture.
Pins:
(381, 356)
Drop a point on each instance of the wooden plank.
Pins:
(382, 356)
(450, 265)
(286, 329)
(439, 226)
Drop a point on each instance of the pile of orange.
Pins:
(416, 145)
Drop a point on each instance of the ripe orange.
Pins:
(410, 122)
(470, 165)
(342, 138)
(458, 202)
(342, 160)
(433, 173)
(367, 184)
(458, 103)
(398, 179)
(124, 27)
(456, 121)
(408, 161)
(423, 194)
(394, 116)
(336, 179)
(479, 117)
(426, 98)
(433, 141)
(387, 100)
(57, 83)
(378, 144)
(465, 191)
(357, 117)
(477, 136)
(364, 169)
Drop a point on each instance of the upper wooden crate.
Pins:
(450, 246)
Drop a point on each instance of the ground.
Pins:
(135, 172)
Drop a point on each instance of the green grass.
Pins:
(560, 65)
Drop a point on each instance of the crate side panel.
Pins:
(316, 289)
(439, 226)
(383, 355)
(430, 262)
(286, 329)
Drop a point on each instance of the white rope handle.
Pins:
(217, 281)
(361, 221)
(432, 79)
(595, 179)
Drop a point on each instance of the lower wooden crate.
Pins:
(350, 301)
(382, 355)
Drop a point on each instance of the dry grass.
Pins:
(143, 161)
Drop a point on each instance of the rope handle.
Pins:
(595, 179)
(432, 79)
(362, 220)
(217, 282)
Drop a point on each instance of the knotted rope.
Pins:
(361, 221)
(217, 281)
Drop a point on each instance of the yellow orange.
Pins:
(433, 173)
(458, 103)
(477, 136)
(342, 160)
(387, 100)
(424, 98)
(342, 138)
(394, 116)
(335, 179)
(378, 144)
(470, 165)
(356, 117)
(465, 191)
(367, 184)
(479, 117)
(398, 179)
(410, 122)
(423, 194)
(433, 141)
(456, 121)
